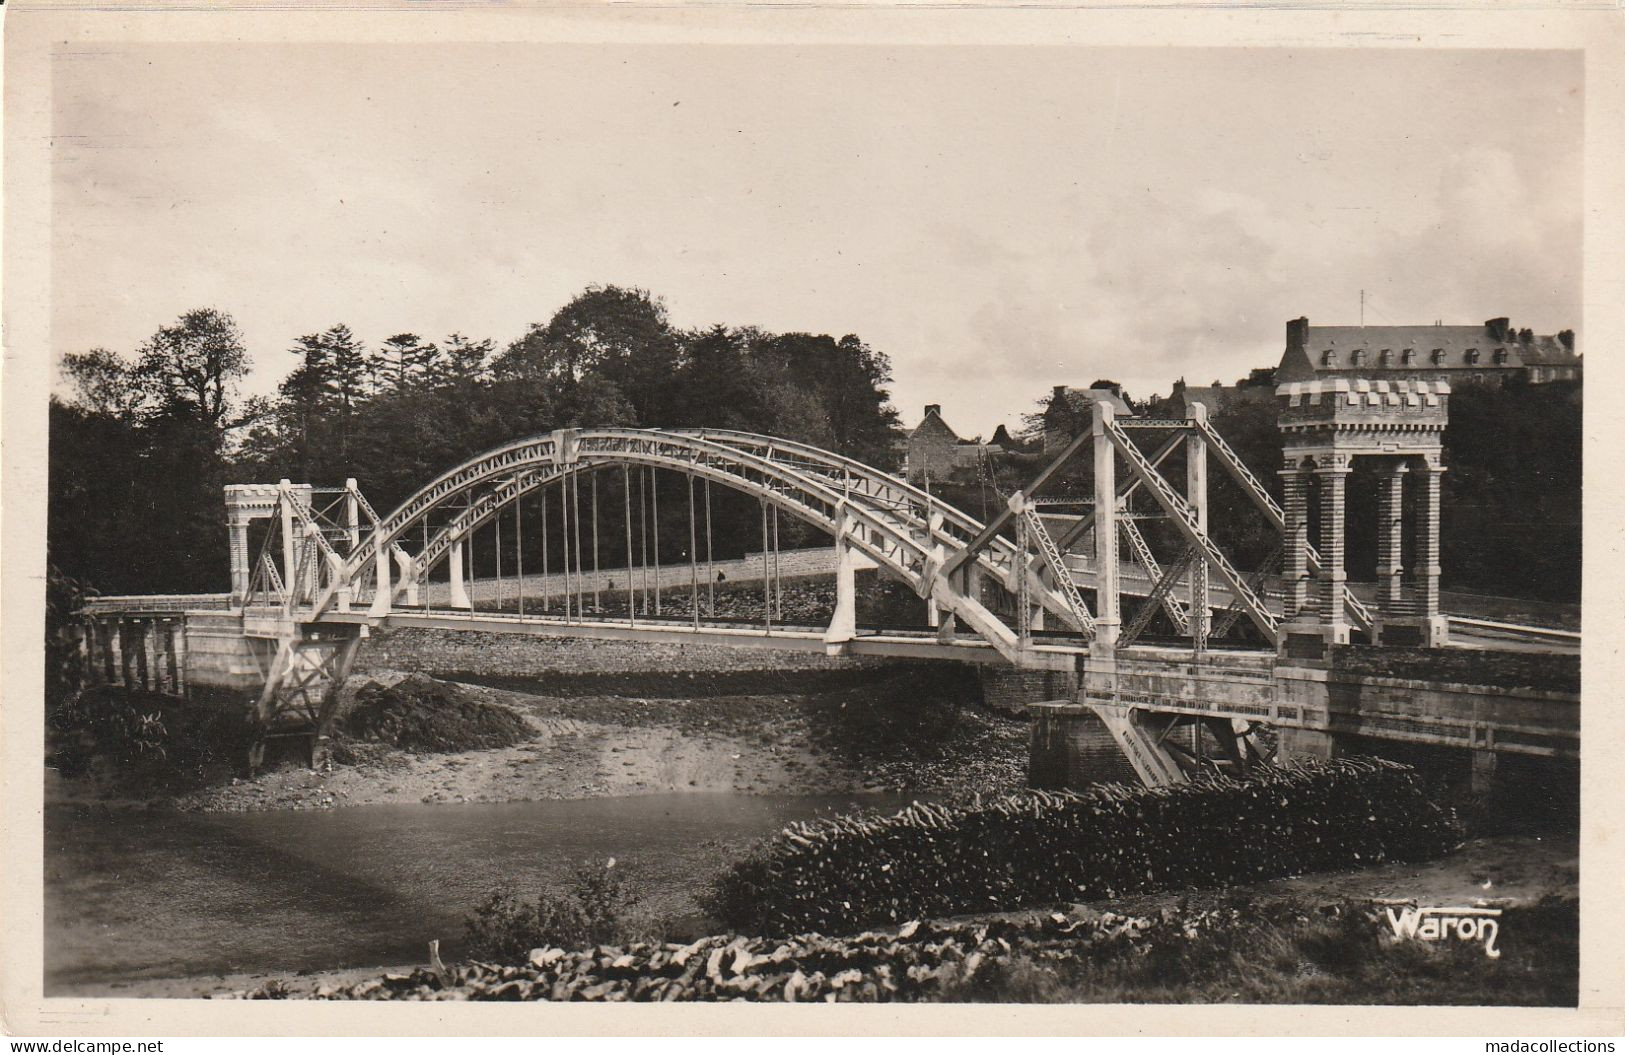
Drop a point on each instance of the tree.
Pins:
(715, 382)
(305, 393)
(196, 363)
(404, 359)
(464, 360)
(1511, 501)
(137, 461)
(105, 383)
(852, 381)
(609, 333)
(349, 369)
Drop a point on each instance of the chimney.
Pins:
(1060, 390)
(1499, 329)
(933, 408)
(1297, 332)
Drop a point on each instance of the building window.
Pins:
(1500, 357)
(1472, 357)
(1438, 357)
(1386, 358)
(1359, 357)
(1408, 357)
(1328, 358)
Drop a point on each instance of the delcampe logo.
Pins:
(1442, 924)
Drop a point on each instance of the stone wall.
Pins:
(1070, 747)
(1011, 691)
(218, 655)
(1236, 682)
(1547, 671)
(1434, 711)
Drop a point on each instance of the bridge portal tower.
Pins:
(1325, 425)
(246, 503)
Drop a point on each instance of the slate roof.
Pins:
(1454, 342)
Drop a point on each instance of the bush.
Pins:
(1036, 848)
(64, 664)
(597, 908)
(419, 713)
(149, 733)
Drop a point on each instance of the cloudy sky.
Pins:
(997, 220)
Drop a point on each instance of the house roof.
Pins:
(1080, 400)
(933, 423)
(1548, 351)
(1211, 396)
(1455, 342)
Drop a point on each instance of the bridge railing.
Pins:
(117, 604)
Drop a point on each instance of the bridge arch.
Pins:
(904, 530)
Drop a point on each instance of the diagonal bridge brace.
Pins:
(1184, 518)
(1161, 584)
(1159, 596)
(1260, 496)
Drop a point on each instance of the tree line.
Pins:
(141, 447)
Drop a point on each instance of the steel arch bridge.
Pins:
(372, 570)
(1008, 592)
(883, 521)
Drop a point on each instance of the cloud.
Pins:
(996, 220)
(1200, 287)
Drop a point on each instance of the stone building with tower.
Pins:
(1494, 351)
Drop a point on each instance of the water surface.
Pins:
(135, 894)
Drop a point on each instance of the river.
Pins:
(133, 894)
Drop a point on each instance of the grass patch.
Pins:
(597, 907)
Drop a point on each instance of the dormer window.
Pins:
(1408, 357)
(1385, 359)
(1472, 357)
(1438, 357)
(1328, 358)
(1500, 357)
(1359, 357)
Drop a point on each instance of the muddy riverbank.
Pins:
(853, 739)
(615, 719)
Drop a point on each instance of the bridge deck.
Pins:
(1464, 632)
(894, 644)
